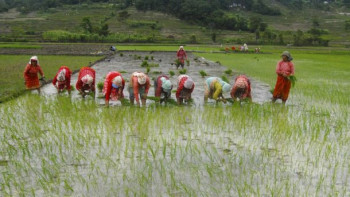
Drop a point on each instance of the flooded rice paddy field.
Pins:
(59, 145)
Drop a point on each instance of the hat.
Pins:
(181, 47)
(166, 84)
(226, 87)
(61, 75)
(87, 79)
(188, 84)
(286, 53)
(35, 58)
(117, 80)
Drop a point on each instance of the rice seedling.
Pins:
(187, 62)
(300, 149)
(171, 73)
(228, 72)
(203, 73)
(183, 71)
(100, 86)
(292, 79)
(144, 63)
(148, 69)
(224, 78)
(146, 57)
(153, 65)
(121, 54)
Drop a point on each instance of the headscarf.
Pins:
(286, 53)
(181, 47)
(61, 75)
(117, 80)
(87, 79)
(34, 58)
(226, 87)
(141, 77)
(166, 84)
(240, 83)
(188, 83)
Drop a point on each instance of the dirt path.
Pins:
(130, 63)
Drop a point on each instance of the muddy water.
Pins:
(129, 63)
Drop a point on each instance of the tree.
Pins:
(347, 25)
(86, 25)
(103, 30)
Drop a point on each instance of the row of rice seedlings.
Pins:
(236, 150)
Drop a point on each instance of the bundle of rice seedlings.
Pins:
(224, 78)
(292, 79)
(228, 71)
(153, 65)
(171, 73)
(187, 62)
(203, 73)
(183, 71)
(100, 86)
(144, 64)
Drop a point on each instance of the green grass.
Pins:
(12, 67)
(19, 46)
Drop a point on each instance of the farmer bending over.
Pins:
(214, 88)
(162, 88)
(86, 81)
(185, 86)
(284, 69)
(62, 78)
(113, 87)
(139, 85)
(241, 88)
(31, 74)
(181, 57)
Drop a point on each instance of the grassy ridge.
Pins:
(12, 67)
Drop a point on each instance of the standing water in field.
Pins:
(162, 63)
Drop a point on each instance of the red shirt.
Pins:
(135, 85)
(83, 72)
(181, 54)
(286, 68)
(108, 90)
(31, 76)
(158, 91)
(181, 86)
(67, 78)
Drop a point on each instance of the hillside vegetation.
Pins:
(255, 21)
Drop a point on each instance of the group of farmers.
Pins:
(139, 83)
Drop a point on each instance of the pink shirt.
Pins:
(286, 68)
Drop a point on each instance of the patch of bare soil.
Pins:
(129, 62)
